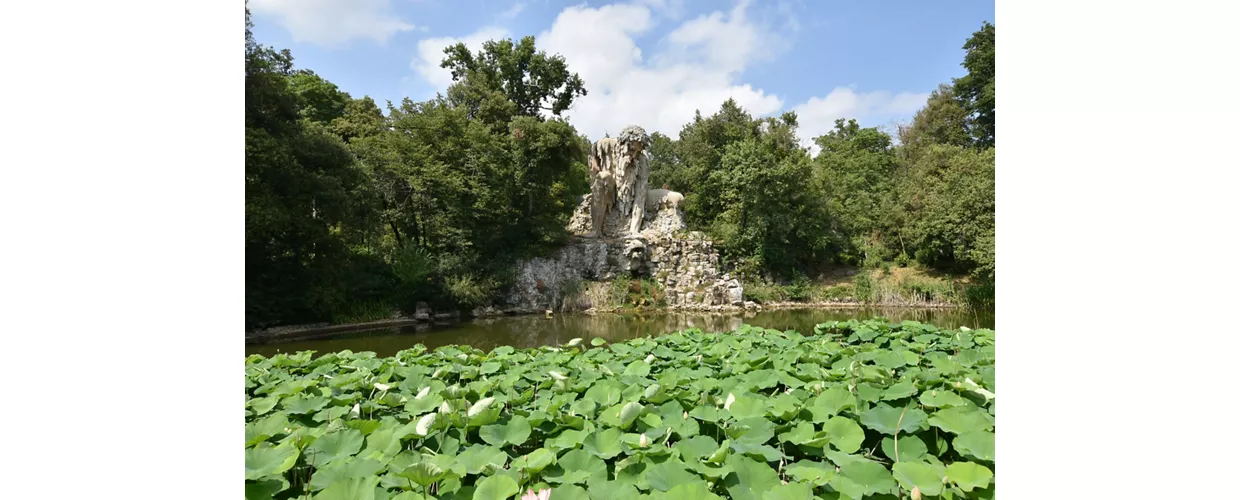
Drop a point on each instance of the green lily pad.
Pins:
(534, 461)
(358, 488)
(927, 478)
(888, 419)
(969, 475)
(664, 476)
(604, 443)
(516, 431)
(496, 487)
(334, 446)
(976, 444)
(961, 419)
(749, 478)
(478, 458)
(687, 491)
(910, 448)
(264, 460)
(844, 433)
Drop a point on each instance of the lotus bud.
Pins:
(686, 417)
(643, 441)
(649, 358)
(916, 494)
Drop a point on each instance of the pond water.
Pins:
(534, 331)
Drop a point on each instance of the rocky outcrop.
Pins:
(685, 264)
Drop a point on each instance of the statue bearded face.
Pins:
(636, 146)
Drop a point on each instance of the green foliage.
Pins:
(977, 88)
(858, 408)
(349, 211)
(507, 79)
(863, 286)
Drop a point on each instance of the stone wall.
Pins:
(684, 263)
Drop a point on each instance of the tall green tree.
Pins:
(507, 79)
(976, 89)
(855, 172)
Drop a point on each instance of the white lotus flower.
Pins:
(424, 424)
(727, 405)
(643, 441)
(422, 393)
(479, 407)
(649, 358)
(382, 387)
(557, 375)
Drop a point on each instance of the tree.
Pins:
(948, 201)
(507, 79)
(976, 90)
(942, 121)
(319, 100)
(855, 171)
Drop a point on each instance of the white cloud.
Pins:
(670, 8)
(333, 22)
(430, 54)
(817, 115)
(513, 11)
(695, 69)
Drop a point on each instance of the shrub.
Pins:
(863, 285)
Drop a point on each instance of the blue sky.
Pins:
(651, 62)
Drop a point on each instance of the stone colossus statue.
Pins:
(619, 172)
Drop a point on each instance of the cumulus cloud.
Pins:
(695, 69)
(696, 66)
(817, 115)
(333, 22)
(430, 54)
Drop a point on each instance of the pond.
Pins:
(534, 331)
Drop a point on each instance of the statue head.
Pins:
(634, 138)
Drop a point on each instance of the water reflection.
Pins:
(533, 331)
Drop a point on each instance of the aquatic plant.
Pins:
(855, 409)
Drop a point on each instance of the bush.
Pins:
(764, 292)
(465, 290)
(863, 285)
(799, 290)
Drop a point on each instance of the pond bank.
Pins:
(427, 322)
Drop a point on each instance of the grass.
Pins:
(881, 284)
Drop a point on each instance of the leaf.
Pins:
(976, 444)
(790, 491)
(424, 425)
(927, 478)
(334, 446)
(961, 419)
(575, 467)
(939, 398)
(262, 429)
(746, 406)
(830, 402)
(817, 473)
(611, 490)
(358, 488)
(423, 473)
(686, 491)
(637, 369)
(749, 478)
(670, 473)
(696, 447)
(604, 443)
(888, 419)
(569, 492)
(629, 413)
(479, 407)
(597, 341)
(515, 432)
(911, 448)
(872, 477)
(534, 461)
(477, 458)
(265, 489)
(263, 461)
(968, 475)
(898, 391)
(845, 435)
(497, 487)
